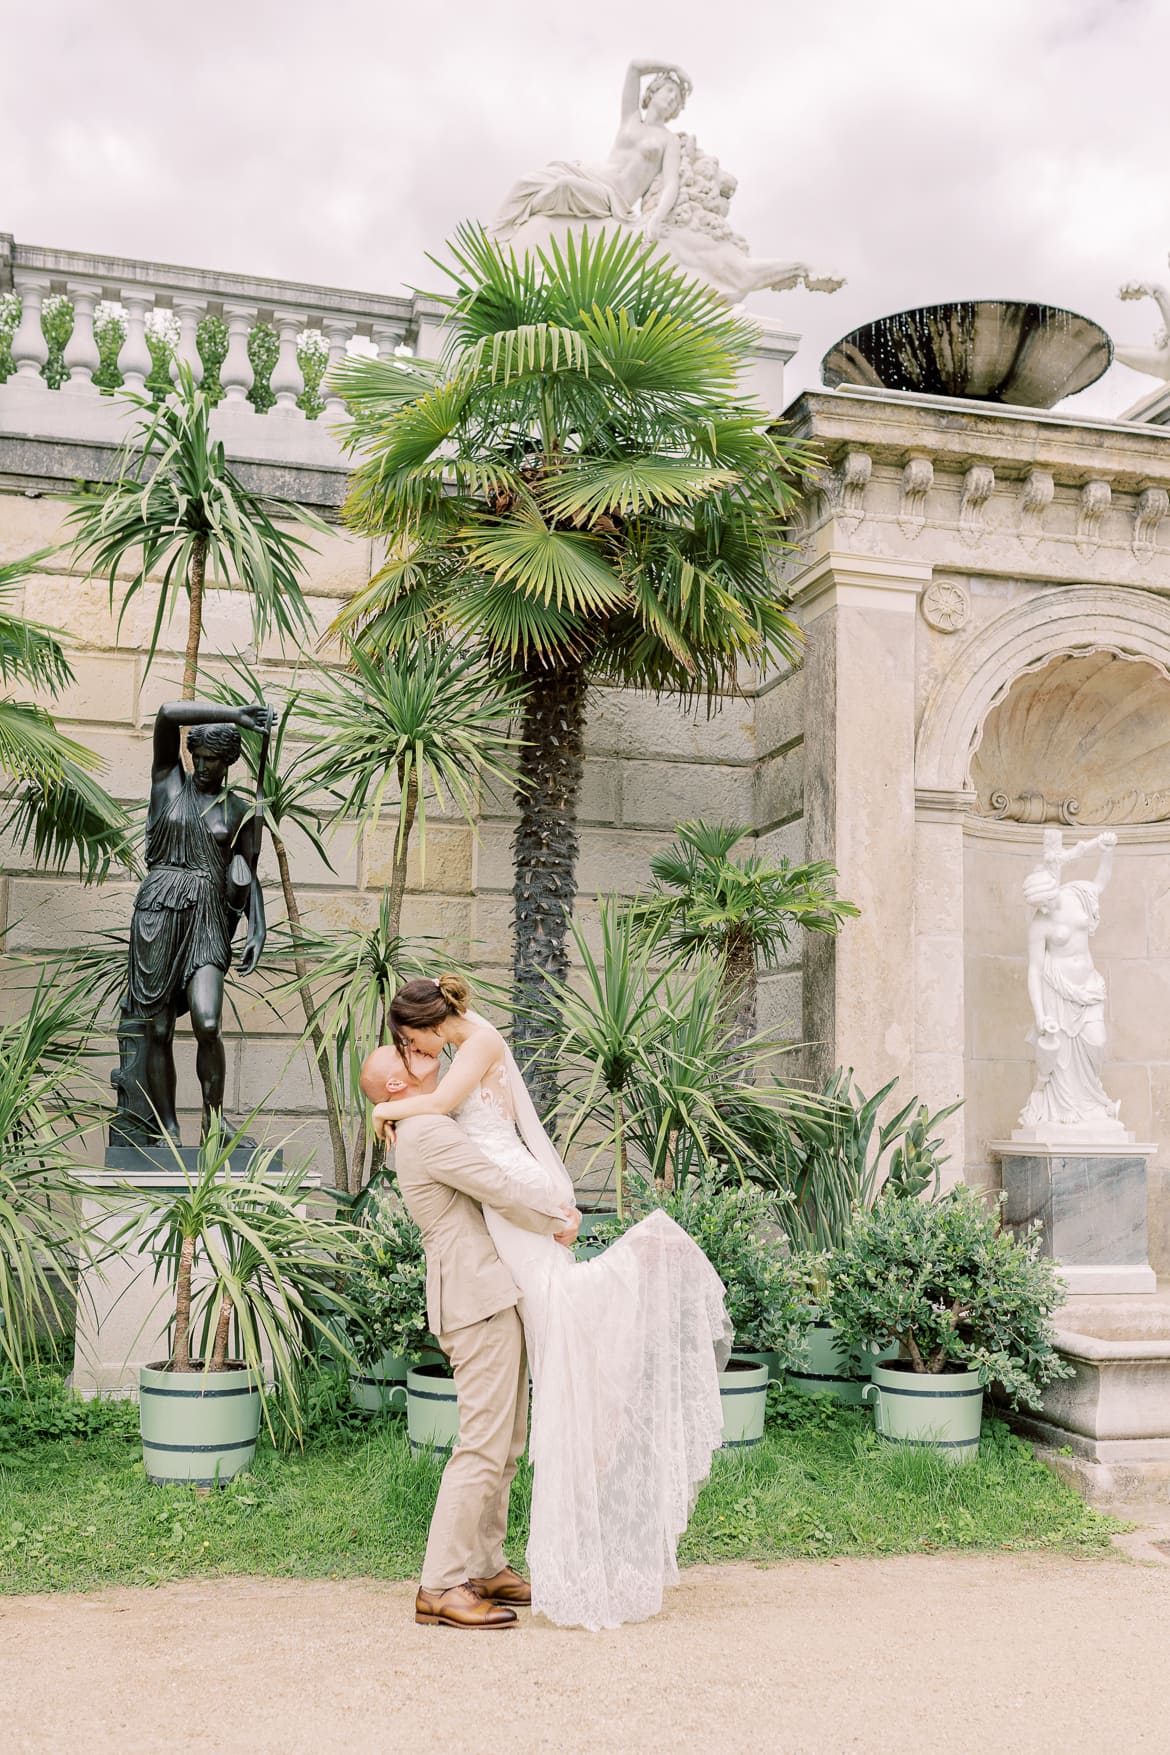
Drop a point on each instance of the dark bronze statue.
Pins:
(202, 849)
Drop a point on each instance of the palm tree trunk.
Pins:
(545, 855)
(738, 987)
(222, 1329)
(181, 1347)
(397, 887)
(332, 1105)
(619, 1167)
(195, 573)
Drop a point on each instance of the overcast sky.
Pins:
(927, 149)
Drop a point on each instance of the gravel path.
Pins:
(943, 1654)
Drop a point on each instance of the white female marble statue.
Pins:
(1067, 994)
(1153, 360)
(656, 182)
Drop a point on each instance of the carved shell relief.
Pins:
(1085, 739)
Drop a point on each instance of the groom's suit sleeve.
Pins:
(451, 1158)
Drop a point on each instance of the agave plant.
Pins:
(584, 492)
(56, 807)
(44, 1050)
(175, 509)
(252, 1268)
(740, 911)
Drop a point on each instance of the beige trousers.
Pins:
(470, 1519)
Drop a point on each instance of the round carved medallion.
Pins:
(946, 606)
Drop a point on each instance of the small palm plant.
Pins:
(175, 508)
(585, 492)
(40, 1052)
(741, 911)
(56, 807)
(254, 1271)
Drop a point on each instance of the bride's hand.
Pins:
(568, 1236)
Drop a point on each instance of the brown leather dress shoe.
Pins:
(506, 1587)
(459, 1607)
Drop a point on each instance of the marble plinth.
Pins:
(1091, 1204)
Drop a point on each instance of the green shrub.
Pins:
(737, 1231)
(941, 1278)
(388, 1286)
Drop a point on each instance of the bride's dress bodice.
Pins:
(625, 1352)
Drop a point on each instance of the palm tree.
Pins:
(585, 494)
(55, 806)
(742, 912)
(176, 508)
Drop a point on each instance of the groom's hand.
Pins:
(568, 1236)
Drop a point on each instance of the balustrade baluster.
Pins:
(386, 337)
(190, 313)
(30, 350)
(81, 350)
(288, 380)
(236, 373)
(134, 361)
(337, 332)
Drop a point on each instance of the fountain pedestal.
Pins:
(1090, 1199)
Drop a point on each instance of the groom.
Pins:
(445, 1183)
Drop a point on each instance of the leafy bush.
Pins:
(388, 1285)
(736, 1230)
(941, 1278)
(42, 1408)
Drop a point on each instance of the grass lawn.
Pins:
(77, 1512)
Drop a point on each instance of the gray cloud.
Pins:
(927, 150)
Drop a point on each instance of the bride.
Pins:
(625, 1349)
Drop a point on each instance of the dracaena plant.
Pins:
(584, 491)
(54, 804)
(175, 511)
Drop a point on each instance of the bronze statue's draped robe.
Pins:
(182, 921)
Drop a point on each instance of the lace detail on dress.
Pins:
(625, 1352)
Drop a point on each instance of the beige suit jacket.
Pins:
(445, 1182)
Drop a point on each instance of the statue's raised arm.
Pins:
(1154, 360)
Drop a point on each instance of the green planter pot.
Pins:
(943, 1410)
(432, 1409)
(743, 1390)
(826, 1368)
(380, 1387)
(761, 1356)
(591, 1221)
(196, 1428)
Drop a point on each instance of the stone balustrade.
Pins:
(155, 296)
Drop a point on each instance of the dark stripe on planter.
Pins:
(927, 1394)
(431, 1449)
(826, 1377)
(429, 1395)
(234, 1444)
(934, 1443)
(739, 1443)
(381, 1382)
(245, 1389)
(748, 1389)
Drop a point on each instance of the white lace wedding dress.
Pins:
(625, 1352)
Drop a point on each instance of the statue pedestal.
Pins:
(122, 1309)
(1090, 1199)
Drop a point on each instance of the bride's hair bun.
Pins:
(455, 992)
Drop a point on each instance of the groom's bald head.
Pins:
(385, 1074)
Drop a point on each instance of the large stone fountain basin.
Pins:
(989, 350)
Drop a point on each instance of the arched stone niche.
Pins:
(1084, 738)
(1065, 696)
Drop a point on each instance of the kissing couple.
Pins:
(625, 1349)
